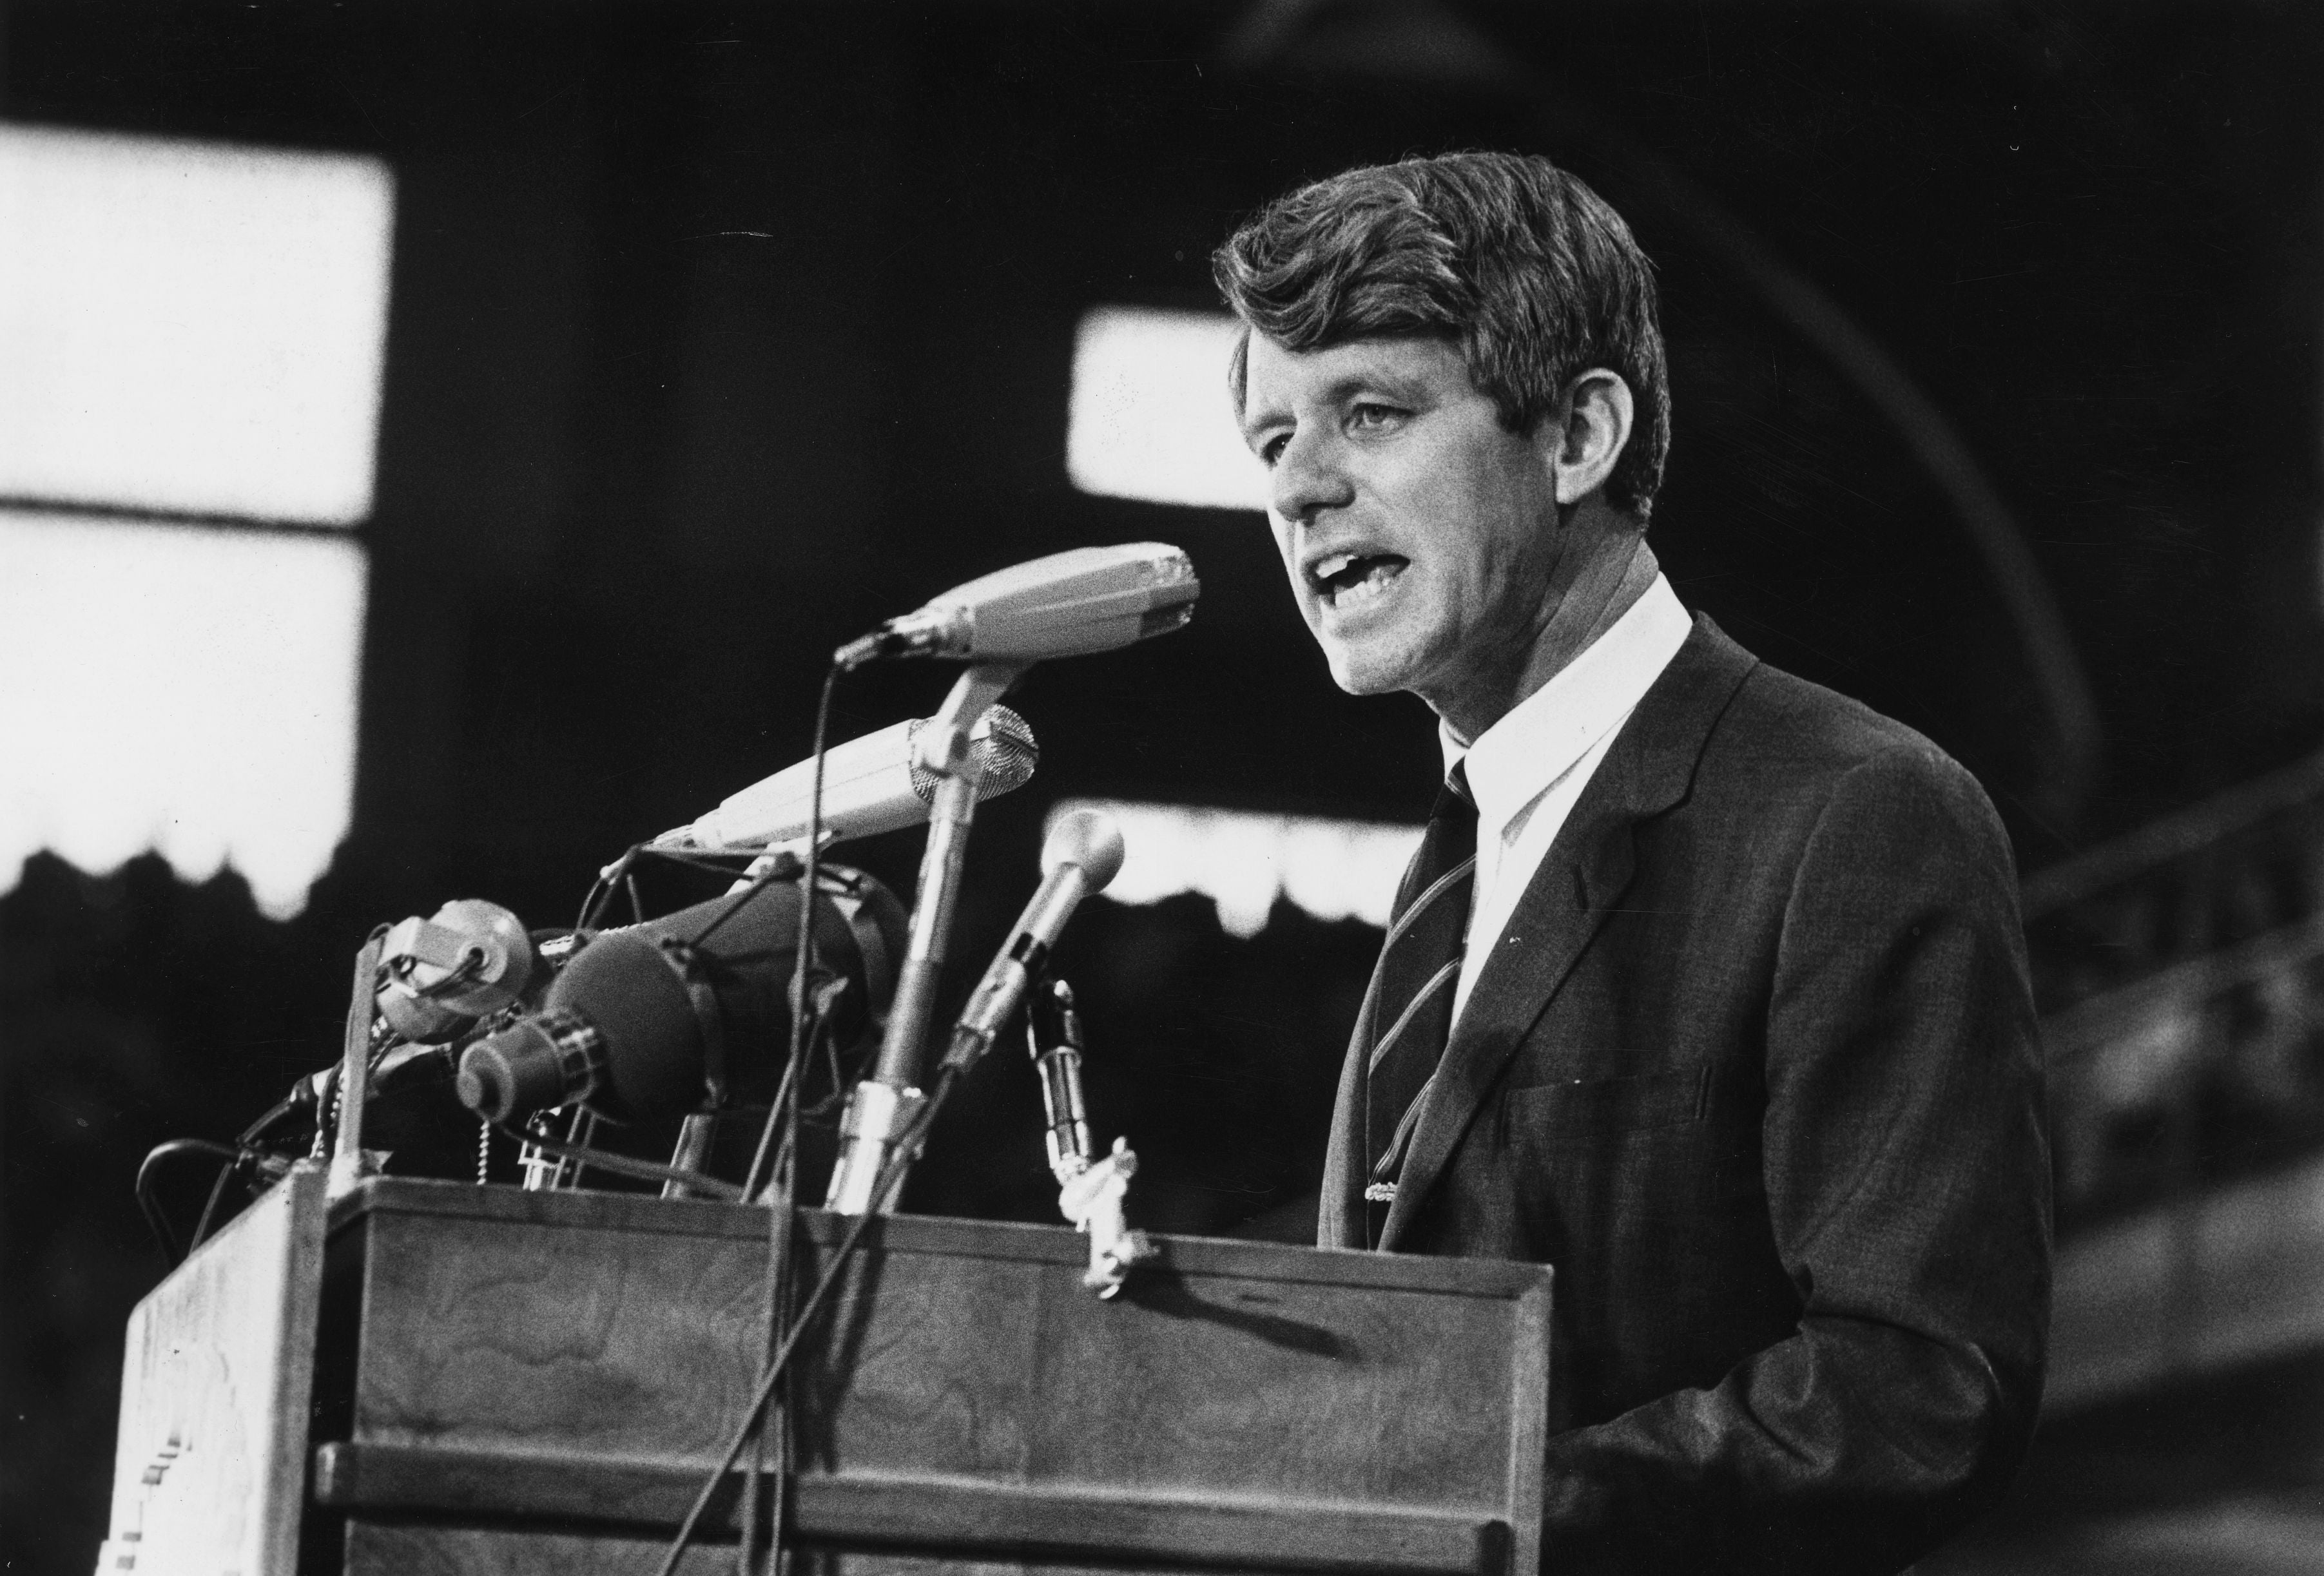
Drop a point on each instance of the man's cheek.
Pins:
(1298, 585)
(1281, 535)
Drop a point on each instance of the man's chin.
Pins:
(1357, 676)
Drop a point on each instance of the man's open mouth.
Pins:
(1345, 579)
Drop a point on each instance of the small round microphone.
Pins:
(1082, 853)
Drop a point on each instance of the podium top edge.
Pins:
(931, 1234)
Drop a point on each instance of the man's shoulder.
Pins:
(1796, 783)
(1798, 725)
(1782, 736)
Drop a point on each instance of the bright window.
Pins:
(193, 332)
(1331, 870)
(186, 690)
(1150, 416)
(191, 327)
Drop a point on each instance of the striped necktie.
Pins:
(1419, 966)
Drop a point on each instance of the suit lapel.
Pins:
(1582, 877)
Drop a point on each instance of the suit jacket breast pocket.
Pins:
(1635, 1103)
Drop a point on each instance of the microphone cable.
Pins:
(151, 1207)
(906, 1151)
(601, 890)
(619, 1165)
(783, 1184)
(617, 878)
(242, 1155)
(803, 961)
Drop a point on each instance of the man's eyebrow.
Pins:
(1258, 418)
(1337, 391)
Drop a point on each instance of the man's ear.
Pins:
(1595, 426)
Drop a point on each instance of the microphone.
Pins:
(1082, 853)
(1067, 604)
(439, 975)
(1052, 1034)
(1091, 1192)
(871, 785)
(665, 1017)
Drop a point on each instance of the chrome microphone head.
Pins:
(1001, 744)
(1087, 838)
(1071, 604)
(437, 976)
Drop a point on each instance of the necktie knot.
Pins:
(1456, 792)
(1448, 849)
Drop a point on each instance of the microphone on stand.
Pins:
(1067, 604)
(1091, 1191)
(439, 975)
(1082, 853)
(680, 1013)
(871, 785)
(1052, 1037)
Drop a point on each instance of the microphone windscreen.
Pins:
(659, 1037)
(638, 1003)
(1088, 838)
(1002, 744)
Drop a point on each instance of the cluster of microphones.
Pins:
(682, 1013)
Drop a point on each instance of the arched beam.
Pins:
(1420, 40)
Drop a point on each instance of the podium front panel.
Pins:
(500, 1365)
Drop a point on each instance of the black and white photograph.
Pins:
(1105, 788)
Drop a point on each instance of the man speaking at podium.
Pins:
(1707, 985)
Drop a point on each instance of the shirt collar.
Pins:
(1543, 736)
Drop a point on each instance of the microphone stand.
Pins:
(1090, 1190)
(349, 1164)
(883, 1104)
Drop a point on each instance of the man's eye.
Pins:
(1371, 415)
(1271, 449)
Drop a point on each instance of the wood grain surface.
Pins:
(412, 1549)
(960, 1518)
(587, 1356)
(209, 1459)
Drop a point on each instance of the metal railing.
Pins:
(2180, 972)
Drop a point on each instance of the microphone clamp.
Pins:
(932, 632)
(877, 1117)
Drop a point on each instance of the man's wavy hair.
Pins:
(1506, 255)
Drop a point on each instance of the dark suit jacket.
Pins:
(1755, 1068)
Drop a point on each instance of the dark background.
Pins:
(720, 332)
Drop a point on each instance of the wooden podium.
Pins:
(538, 1382)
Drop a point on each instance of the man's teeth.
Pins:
(1348, 577)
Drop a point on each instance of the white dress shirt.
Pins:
(1527, 770)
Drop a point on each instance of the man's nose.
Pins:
(1308, 478)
